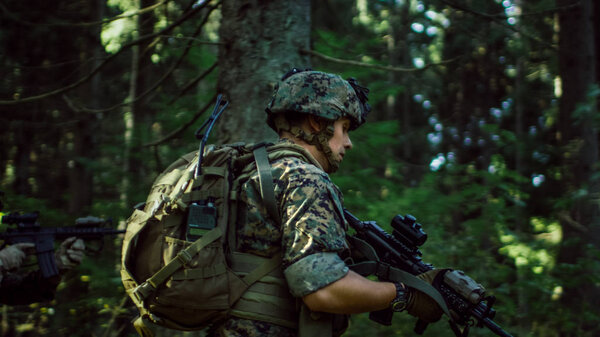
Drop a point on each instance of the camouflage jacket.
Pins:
(311, 236)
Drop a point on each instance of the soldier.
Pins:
(312, 112)
(24, 288)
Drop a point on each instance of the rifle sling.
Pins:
(389, 273)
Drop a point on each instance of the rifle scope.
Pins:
(408, 231)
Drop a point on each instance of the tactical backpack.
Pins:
(178, 261)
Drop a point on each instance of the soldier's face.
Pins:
(340, 142)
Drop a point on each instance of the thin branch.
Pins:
(500, 19)
(12, 16)
(194, 82)
(115, 313)
(197, 41)
(84, 79)
(374, 66)
(161, 80)
(550, 10)
(568, 220)
(504, 16)
(182, 128)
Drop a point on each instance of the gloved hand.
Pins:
(70, 253)
(12, 256)
(422, 306)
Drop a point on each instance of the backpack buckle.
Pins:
(184, 257)
(142, 291)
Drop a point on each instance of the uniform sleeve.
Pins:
(313, 234)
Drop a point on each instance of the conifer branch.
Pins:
(374, 66)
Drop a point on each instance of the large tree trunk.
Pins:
(138, 119)
(261, 40)
(579, 139)
(85, 131)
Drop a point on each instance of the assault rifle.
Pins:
(464, 297)
(27, 229)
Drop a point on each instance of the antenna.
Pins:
(210, 122)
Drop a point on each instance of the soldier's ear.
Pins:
(314, 123)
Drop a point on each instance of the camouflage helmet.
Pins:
(320, 94)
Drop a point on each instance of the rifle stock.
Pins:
(401, 250)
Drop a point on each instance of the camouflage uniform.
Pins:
(311, 238)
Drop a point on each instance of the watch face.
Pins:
(399, 306)
(399, 303)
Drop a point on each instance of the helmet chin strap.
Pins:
(320, 139)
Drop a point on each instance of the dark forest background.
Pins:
(484, 126)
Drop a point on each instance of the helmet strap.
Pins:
(320, 139)
(323, 138)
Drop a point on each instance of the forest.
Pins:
(484, 126)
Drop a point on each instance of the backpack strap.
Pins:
(265, 177)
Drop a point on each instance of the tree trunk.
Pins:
(138, 119)
(84, 142)
(579, 140)
(261, 41)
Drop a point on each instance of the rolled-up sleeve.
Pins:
(313, 233)
(314, 272)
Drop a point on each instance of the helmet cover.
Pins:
(320, 94)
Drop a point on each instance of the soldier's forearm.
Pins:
(351, 294)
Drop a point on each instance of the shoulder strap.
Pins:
(265, 177)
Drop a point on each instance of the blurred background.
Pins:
(484, 127)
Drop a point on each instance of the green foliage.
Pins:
(588, 110)
(473, 222)
(492, 103)
(48, 215)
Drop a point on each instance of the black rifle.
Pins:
(27, 229)
(401, 250)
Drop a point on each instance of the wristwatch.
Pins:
(401, 301)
